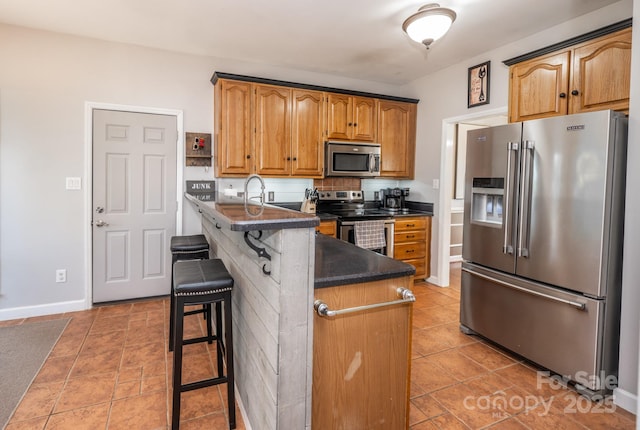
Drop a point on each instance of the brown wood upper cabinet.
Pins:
(278, 129)
(351, 117)
(397, 138)
(233, 131)
(589, 76)
(268, 129)
(272, 119)
(307, 144)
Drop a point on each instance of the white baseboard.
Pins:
(39, 310)
(626, 400)
(434, 280)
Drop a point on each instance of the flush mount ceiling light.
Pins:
(429, 24)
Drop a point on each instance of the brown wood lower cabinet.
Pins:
(361, 360)
(412, 243)
(327, 227)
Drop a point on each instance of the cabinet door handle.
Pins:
(288, 158)
(411, 236)
(575, 92)
(248, 156)
(322, 309)
(350, 124)
(411, 225)
(355, 124)
(563, 95)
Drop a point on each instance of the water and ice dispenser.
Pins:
(486, 202)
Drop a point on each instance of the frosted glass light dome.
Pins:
(430, 23)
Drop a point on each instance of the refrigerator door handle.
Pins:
(577, 305)
(525, 181)
(507, 247)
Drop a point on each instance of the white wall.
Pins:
(629, 332)
(45, 81)
(443, 95)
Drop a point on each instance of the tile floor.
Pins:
(462, 382)
(111, 369)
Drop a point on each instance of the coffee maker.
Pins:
(393, 199)
(404, 193)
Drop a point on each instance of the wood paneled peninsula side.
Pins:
(279, 266)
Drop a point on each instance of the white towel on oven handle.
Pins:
(370, 234)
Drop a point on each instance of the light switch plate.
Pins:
(73, 183)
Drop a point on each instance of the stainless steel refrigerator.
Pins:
(542, 242)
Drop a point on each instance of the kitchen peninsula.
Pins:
(280, 267)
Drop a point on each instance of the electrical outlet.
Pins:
(61, 275)
(436, 184)
(271, 196)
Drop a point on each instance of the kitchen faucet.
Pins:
(246, 188)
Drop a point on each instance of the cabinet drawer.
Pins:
(411, 224)
(420, 265)
(327, 227)
(405, 251)
(410, 236)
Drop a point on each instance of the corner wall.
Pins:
(627, 391)
(443, 96)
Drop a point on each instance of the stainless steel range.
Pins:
(350, 208)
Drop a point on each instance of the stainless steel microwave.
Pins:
(352, 159)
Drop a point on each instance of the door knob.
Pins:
(99, 209)
(101, 223)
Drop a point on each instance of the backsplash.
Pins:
(329, 184)
(292, 189)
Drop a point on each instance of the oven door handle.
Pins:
(389, 226)
(352, 223)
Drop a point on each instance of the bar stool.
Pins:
(194, 247)
(203, 282)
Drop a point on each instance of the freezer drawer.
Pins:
(560, 331)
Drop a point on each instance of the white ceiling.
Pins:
(361, 39)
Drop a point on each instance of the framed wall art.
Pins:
(478, 89)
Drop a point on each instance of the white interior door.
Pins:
(134, 204)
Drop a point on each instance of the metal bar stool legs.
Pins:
(203, 282)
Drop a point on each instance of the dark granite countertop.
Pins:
(295, 206)
(232, 212)
(340, 263)
(412, 209)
